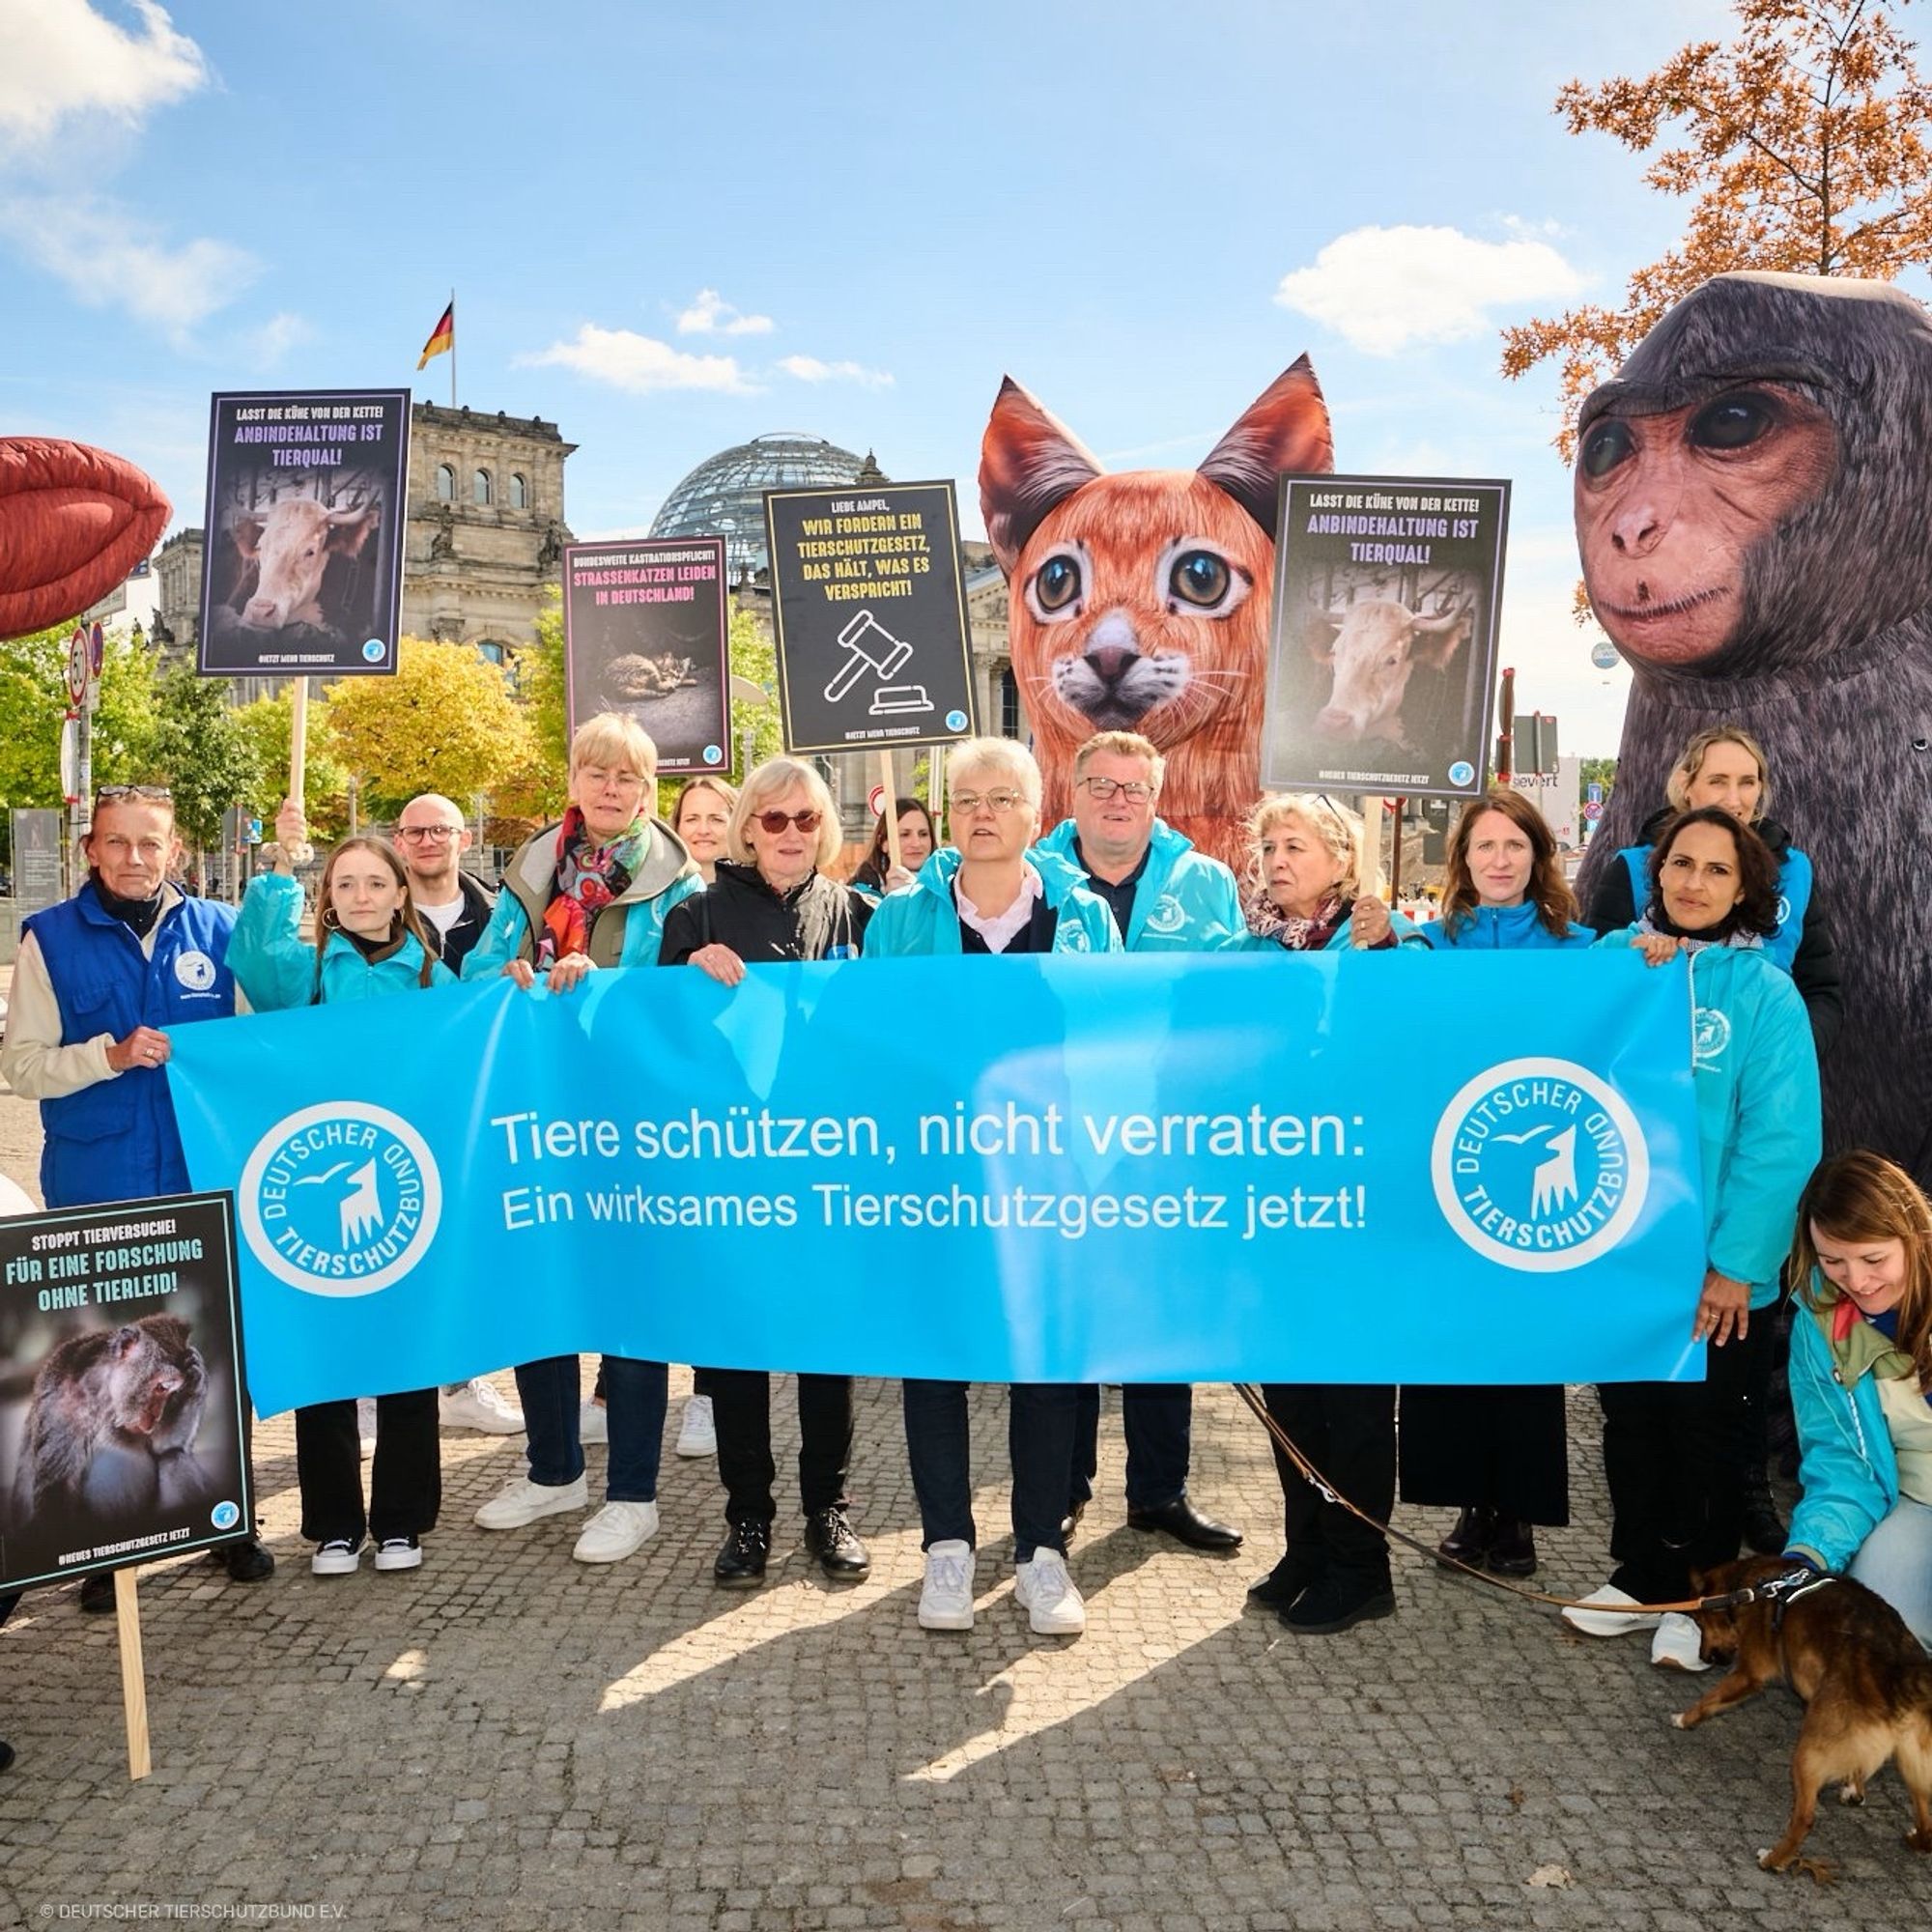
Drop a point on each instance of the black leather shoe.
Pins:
(1286, 1582)
(831, 1538)
(97, 1593)
(1181, 1520)
(5, 1755)
(247, 1562)
(1338, 1603)
(741, 1563)
(1511, 1551)
(1469, 1541)
(1764, 1527)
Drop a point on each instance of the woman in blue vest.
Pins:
(1498, 1455)
(369, 942)
(1675, 1453)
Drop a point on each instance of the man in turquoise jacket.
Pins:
(1165, 897)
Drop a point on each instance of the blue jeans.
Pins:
(1157, 1420)
(1895, 1562)
(1040, 1423)
(553, 1397)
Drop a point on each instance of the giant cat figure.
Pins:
(1753, 500)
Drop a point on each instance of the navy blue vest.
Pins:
(117, 1140)
(1794, 896)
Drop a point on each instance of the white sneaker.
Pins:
(525, 1501)
(615, 1532)
(1045, 1590)
(365, 1424)
(339, 1558)
(1612, 1619)
(946, 1602)
(399, 1553)
(1678, 1644)
(477, 1406)
(592, 1425)
(697, 1433)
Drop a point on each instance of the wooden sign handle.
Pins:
(888, 801)
(133, 1677)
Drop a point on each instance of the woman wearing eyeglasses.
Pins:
(770, 901)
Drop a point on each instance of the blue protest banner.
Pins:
(1399, 1167)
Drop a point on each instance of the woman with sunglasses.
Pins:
(771, 902)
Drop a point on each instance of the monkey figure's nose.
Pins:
(1637, 530)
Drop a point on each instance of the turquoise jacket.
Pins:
(1186, 901)
(1849, 1469)
(924, 920)
(625, 933)
(275, 966)
(1757, 1108)
(1493, 928)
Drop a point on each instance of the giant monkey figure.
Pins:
(73, 521)
(1755, 512)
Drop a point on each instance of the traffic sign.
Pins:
(1593, 811)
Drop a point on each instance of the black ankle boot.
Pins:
(1511, 1551)
(1764, 1527)
(1469, 1541)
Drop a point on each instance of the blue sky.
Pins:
(670, 228)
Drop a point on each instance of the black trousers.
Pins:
(741, 1411)
(404, 1478)
(1500, 1448)
(1348, 1432)
(1157, 1420)
(1674, 1456)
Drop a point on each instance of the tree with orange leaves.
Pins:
(1804, 141)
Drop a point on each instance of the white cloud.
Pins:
(710, 314)
(276, 337)
(1383, 289)
(108, 259)
(60, 58)
(809, 369)
(640, 364)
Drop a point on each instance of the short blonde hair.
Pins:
(1122, 745)
(773, 779)
(726, 794)
(1334, 825)
(1677, 786)
(616, 741)
(999, 758)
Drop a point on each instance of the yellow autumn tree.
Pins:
(1804, 142)
(445, 722)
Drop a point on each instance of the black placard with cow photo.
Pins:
(645, 632)
(302, 567)
(1387, 596)
(121, 1387)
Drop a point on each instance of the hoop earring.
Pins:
(329, 921)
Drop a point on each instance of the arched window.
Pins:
(519, 490)
(479, 487)
(492, 651)
(445, 483)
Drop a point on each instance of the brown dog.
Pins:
(1865, 1685)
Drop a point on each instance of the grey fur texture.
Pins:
(1830, 663)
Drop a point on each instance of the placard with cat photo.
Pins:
(869, 615)
(1388, 594)
(121, 1387)
(645, 632)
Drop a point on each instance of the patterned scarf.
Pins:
(589, 877)
(1267, 921)
(1690, 941)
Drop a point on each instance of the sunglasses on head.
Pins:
(777, 822)
(160, 793)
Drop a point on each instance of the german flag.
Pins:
(443, 337)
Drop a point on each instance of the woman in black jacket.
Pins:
(771, 902)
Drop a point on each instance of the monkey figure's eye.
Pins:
(1057, 582)
(1732, 422)
(1198, 577)
(1606, 444)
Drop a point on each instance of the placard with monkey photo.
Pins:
(121, 1387)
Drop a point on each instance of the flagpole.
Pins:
(452, 347)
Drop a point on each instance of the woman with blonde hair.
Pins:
(1305, 881)
(701, 818)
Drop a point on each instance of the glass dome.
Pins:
(723, 497)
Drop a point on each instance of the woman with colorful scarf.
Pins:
(587, 893)
(1307, 898)
(1675, 1452)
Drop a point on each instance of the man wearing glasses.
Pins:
(97, 981)
(1165, 897)
(432, 838)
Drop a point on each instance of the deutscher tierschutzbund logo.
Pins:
(1540, 1164)
(340, 1198)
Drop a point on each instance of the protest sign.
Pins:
(645, 632)
(121, 1387)
(1387, 595)
(302, 564)
(869, 618)
(1138, 1169)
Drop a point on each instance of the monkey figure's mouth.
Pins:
(1651, 612)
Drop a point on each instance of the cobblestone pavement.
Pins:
(508, 1738)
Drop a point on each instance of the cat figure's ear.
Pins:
(1285, 429)
(1029, 463)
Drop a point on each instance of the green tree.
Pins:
(202, 751)
(535, 792)
(33, 707)
(266, 724)
(445, 722)
(1594, 771)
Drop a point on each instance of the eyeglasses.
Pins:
(966, 803)
(161, 793)
(1131, 789)
(776, 821)
(435, 834)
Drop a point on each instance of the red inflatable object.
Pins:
(73, 521)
